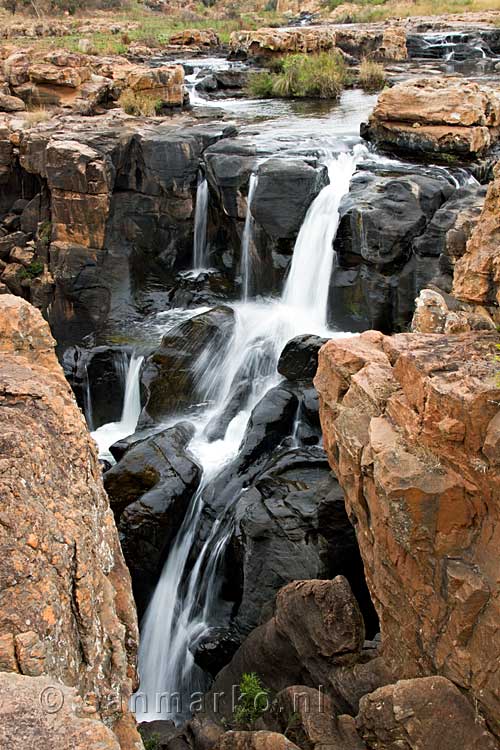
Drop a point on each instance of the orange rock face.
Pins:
(66, 607)
(269, 42)
(411, 428)
(476, 275)
(437, 114)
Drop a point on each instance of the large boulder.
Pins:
(299, 358)
(421, 714)
(149, 490)
(436, 116)
(409, 423)
(171, 378)
(269, 43)
(66, 611)
(382, 218)
(317, 626)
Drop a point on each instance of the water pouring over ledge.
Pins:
(184, 604)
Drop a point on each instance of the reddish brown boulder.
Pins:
(477, 274)
(66, 609)
(254, 741)
(424, 714)
(409, 422)
(436, 115)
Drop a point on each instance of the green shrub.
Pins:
(320, 76)
(371, 75)
(260, 84)
(34, 269)
(152, 742)
(253, 702)
(139, 104)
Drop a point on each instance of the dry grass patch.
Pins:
(371, 76)
(139, 103)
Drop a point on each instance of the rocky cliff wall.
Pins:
(411, 426)
(67, 617)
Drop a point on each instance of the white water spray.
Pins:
(200, 225)
(246, 241)
(109, 433)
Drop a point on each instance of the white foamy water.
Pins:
(109, 433)
(246, 241)
(200, 225)
(183, 606)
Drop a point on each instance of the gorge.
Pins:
(279, 318)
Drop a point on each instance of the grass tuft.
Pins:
(371, 75)
(139, 104)
(320, 76)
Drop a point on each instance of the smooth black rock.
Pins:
(170, 379)
(215, 649)
(299, 358)
(97, 377)
(149, 491)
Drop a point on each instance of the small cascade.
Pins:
(246, 242)
(200, 225)
(186, 600)
(109, 433)
(308, 282)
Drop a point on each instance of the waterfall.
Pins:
(109, 433)
(184, 604)
(246, 240)
(200, 224)
(308, 281)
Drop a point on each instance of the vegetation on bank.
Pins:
(381, 10)
(139, 103)
(253, 702)
(321, 76)
(372, 76)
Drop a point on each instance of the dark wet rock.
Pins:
(132, 189)
(292, 523)
(149, 490)
(163, 734)
(208, 288)
(382, 219)
(460, 45)
(270, 422)
(97, 377)
(299, 358)
(215, 649)
(445, 238)
(7, 243)
(35, 212)
(316, 626)
(229, 165)
(285, 190)
(171, 374)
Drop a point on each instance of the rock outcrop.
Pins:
(436, 116)
(67, 617)
(410, 426)
(477, 273)
(82, 81)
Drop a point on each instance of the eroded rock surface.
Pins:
(436, 116)
(66, 610)
(409, 425)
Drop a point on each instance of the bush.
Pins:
(320, 76)
(261, 84)
(371, 75)
(138, 103)
(253, 702)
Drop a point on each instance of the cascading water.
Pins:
(200, 225)
(109, 433)
(184, 603)
(246, 242)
